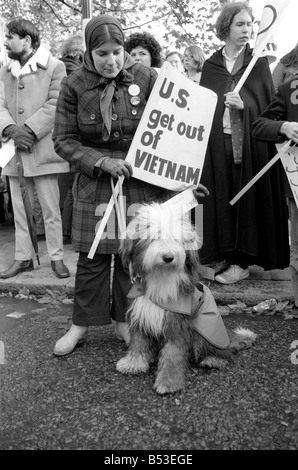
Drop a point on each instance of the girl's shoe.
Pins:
(76, 335)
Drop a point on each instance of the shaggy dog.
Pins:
(172, 317)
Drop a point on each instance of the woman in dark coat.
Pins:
(72, 53)
(255, 230)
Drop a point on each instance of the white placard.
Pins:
(185, 200)
(290, 164)
(7, 151)
(169, 146)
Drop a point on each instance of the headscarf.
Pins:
(94, 37)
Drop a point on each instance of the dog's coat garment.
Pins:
(200, 305)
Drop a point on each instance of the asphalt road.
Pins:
(80, 401)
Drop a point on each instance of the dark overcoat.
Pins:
(78, 139)
(284, 107)
(261, 228)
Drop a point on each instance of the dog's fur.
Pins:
(161, 248)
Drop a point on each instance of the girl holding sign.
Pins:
(98, 111)
(255, 230)
(99, 108)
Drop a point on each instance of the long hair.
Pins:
(25, 28)
(198, 56)
(291, 58)
(225, 19)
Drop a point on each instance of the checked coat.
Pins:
(78, 139)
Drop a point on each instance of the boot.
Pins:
(16, 268)
(76, 335)
(60, 269)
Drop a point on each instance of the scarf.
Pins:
(106, 99)
(93, 32)
(236, 115)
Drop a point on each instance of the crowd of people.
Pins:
(73, 118)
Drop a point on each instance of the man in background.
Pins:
(28, 96)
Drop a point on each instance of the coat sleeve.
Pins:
(5, 116)
(42, 121)
(267, 126)
(278, 75)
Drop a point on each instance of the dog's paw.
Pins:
(163, 389)
(130, 364)
(212, 362)
(168, 386)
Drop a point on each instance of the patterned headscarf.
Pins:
(95, 35)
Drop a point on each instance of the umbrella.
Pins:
(27, 204)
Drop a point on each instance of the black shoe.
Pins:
(16, 268)
(60, 269)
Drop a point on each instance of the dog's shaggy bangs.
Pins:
(157, 222)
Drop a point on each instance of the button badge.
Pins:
(134, 90)
(135, 100)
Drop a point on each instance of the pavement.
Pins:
(81, 402)
(261, 285)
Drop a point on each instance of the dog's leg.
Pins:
(172, 365)
(208, 356)
(139, 356)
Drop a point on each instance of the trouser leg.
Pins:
(47, 189)
(23, 244)
(67, 213)
(92, 291)
(121, 286)
(293, 214)
(2, 211)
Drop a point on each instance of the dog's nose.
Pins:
(168, 258)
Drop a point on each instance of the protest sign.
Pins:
(184, 200)
(7, 151)
(169, 146)
(274, 13)
(290, 164)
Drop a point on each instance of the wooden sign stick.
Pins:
(283, 150)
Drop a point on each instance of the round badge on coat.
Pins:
(135, 100)
(134, 90)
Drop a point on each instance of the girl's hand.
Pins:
(117, 167)
(200, 191)
(233, 101)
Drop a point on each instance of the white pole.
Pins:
(283, 150)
